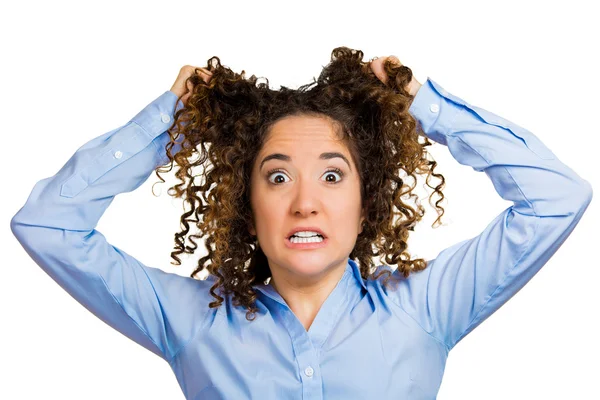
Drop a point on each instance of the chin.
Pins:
(310, 264)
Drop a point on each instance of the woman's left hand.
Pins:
(179, 86)
(377, 67)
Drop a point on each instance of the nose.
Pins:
(307, 199)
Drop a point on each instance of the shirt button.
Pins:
(434, 108)
(165, 118)
(118, 154)
(309, 371)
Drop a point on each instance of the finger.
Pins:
(377, 67)
(206, 74)
(205, 71)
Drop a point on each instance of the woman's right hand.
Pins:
(377, 66)
(184, 73)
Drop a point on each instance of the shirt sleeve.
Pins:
(471, 279)
(56, 227)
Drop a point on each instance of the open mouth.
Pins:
(317, 236)
(314, 242)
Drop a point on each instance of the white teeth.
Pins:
(316, 239)
(306, 234)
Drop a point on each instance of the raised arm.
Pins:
(56, 227)
(470, 280)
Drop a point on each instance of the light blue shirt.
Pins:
(367, 342)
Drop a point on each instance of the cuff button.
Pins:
(434, 108)
(165, 118)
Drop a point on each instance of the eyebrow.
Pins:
(323, 156)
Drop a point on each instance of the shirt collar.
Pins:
(356, 272)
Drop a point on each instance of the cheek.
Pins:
(268, 211)
(347, 213)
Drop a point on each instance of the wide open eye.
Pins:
(275, 172)
(335, 171)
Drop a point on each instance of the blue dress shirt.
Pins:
(367, 341)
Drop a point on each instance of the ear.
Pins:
(361, 220)
(251, 230)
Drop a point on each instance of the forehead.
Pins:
(299, 130)
(303, 138)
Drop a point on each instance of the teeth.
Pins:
(306, 234)
(314, 239)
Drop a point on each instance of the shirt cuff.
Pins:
(434, 110)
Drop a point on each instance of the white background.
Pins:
(74, 70)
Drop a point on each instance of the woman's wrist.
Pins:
(414, 86)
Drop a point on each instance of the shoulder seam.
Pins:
(200, 327)
(417, 322)
(134, 321)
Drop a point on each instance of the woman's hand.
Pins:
(377, 67)
(184, 73)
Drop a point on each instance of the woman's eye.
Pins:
(276, 174)
(334, 172)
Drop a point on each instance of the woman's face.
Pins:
(304, 191)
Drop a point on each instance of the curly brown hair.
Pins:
(233, 114)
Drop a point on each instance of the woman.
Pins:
(300, 190)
